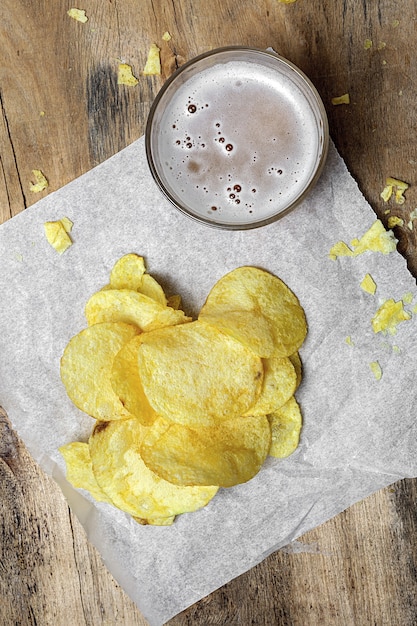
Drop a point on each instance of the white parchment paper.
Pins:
(359, 434)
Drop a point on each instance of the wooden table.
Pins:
(63, 112)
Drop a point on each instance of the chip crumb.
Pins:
(368, 284)
(125, 75)
(287, 1)
(376, 239)
(399, 186)
(42, 113)
(395, 23)
(376, 369)
(344, 99)
(57, 234)
(41, 181)
(78, 15)
(382, 45)
(408, 297)
(388, 316)
(166, 36)
(394, 220)
(153, 62)
(368, 44)
(349, 341)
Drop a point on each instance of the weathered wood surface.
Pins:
(61, 111)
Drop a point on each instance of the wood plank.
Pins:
(63, 112)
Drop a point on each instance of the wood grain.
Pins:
(62, 111)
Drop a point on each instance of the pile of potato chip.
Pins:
(182, 406)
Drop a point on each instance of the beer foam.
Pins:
(237, 141)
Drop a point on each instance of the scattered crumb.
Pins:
(376, 369)
(41, 181)
(287, 1)
(376, 239)
(388, 316)
(125, 75)
(153, 62)
(395, 23)
(368, 284)
(78, 14)
(408, 297)
(382, 45)
(399, 186)
(345, 99)
(367, 44)
(57, 234)
(394, 220)
(42, 113)
(413, 216)
(349, 341)
(166, 36)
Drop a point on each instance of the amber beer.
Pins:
(238, 141)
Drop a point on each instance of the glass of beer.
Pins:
(237, 137)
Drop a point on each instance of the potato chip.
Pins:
(41, 181)
(86, 366)
(227, 454)
(124, 477)
(127, 384)
(79, 469)
(196, 375)
(129, 272)
(78, 15)
(125, 75)
(388, 316)
(344, 99)
(259, 310)
(153, 62)
(279, 384)
(79, 473)
(131, 307)
(57, 234)
(286, 426)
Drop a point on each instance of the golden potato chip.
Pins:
(79, 473)
(259, 310)
(57, 234)
(196, 375)
(86, 366)
(279, 384)
(129, 272)
(153, 62)
(131, 307)
(388, 316)
(78, 15)
(41, 181)
(79, 469)
(127, 384)
(125, 75)
(286, 426)
(227, 454)
(131, 485)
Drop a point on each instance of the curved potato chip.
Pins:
(258, 309)
(278, 385)
(131, 307)
(80, 469)
(86, 365)
(286, 426)
(227, 454)
(129, 272)
(131, 485)
(127, 385)
(196, 375)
